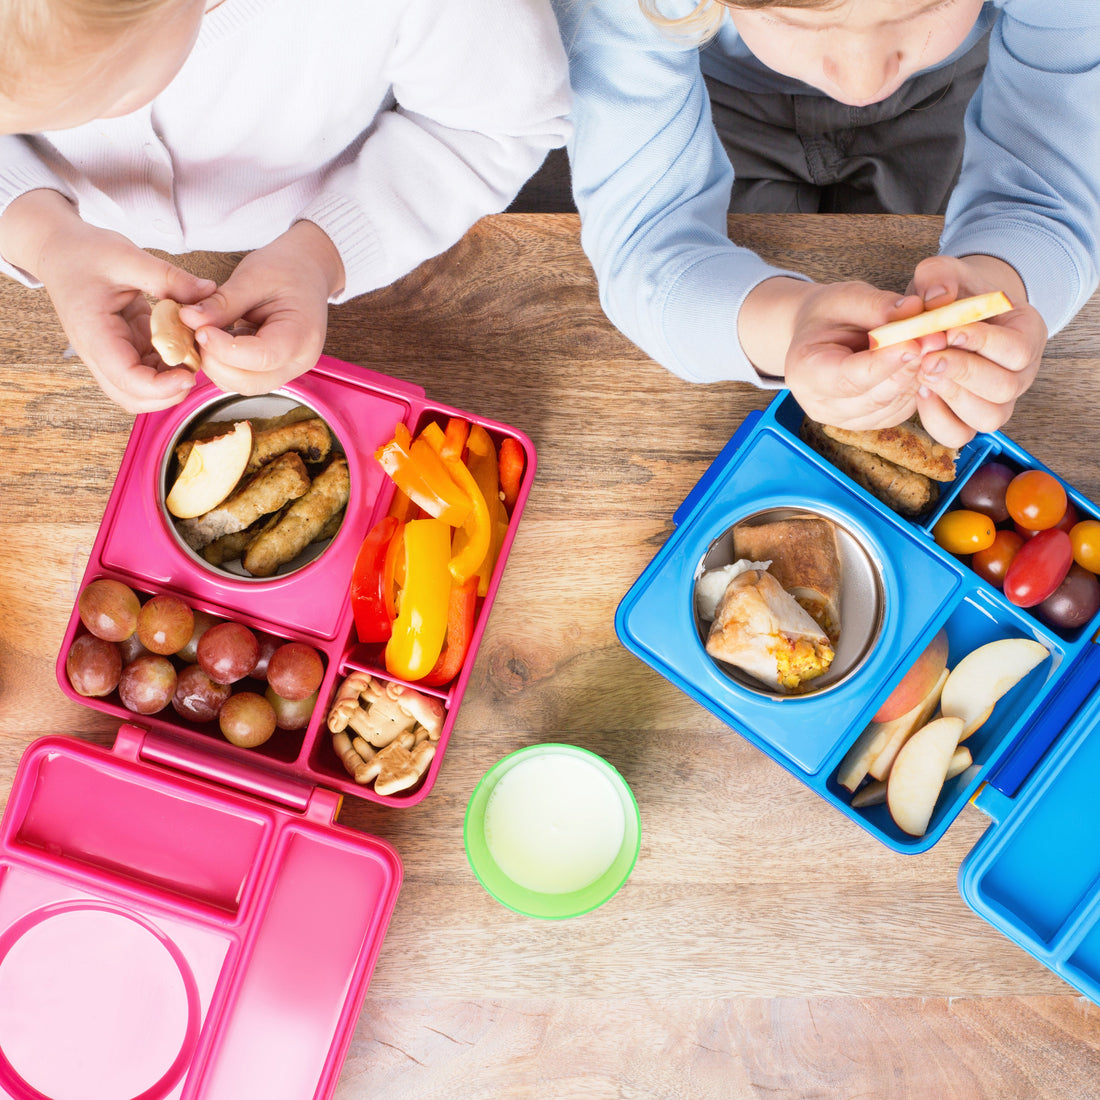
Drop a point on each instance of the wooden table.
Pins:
(764, 944)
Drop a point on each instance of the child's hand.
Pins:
(281, 293)
(828, 368)
(97, 281)
(972, 384)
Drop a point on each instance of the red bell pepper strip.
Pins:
(461, 614)
(418, 471)
(370, 607)
(421, 624)
(511, 469)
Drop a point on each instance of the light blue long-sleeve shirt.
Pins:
(652, 181)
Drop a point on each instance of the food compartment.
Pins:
(980, 667)
(981, 525)
(138, 537)
(254, 487)
(917, 499)
(770, 472)
(392, 707)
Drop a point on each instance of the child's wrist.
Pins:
(28, 224)
(766, 321)
(324, 252)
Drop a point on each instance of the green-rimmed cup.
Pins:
(552, 815)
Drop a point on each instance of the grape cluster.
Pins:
(164, 652)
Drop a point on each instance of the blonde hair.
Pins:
(38, 34)
(703, 21)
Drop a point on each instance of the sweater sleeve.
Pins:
(652, 185)
(21, 170)
(1029, 190)
(482, 94)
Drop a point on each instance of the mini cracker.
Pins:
(172, 340)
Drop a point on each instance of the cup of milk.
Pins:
(552, 831)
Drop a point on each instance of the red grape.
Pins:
(247, 719)
(94, 666)
(228, 652)
(109, 609)
(165, 624)
(291, 714)
(189, 652)
(197, 696)
(147, 684)
(268, 644)
(131, 649)
(295, 671)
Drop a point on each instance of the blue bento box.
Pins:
(1035, 873)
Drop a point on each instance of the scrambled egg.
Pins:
(800, 660)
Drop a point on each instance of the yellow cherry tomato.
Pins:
(1085, 537)
(964, 532)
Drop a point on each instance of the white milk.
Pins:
(554, 823)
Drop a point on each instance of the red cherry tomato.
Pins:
(1040, 565)
(1035, 500)
(963, 531)
(992, 563)
(1067, 521)
(1085, 537)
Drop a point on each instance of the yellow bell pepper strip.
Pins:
(511, 469)
(473, 537)
(461, 615)
(482, 462)
(421, 624)
(418, 471)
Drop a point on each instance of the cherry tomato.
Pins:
(1035, 500)
(1039, 567)
(984, 490)
(992, 563)
(1065, 523)
(1085, 537)
(962, 531)
(1074, 602)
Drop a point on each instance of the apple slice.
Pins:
(874, 794)
(882, 737)
(901, 732)
(918, 680)
(979, 680)
(211, 472)
(918, 774)
(965, 311)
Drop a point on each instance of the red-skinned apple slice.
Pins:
(979, 680)
(918, 774)
(965, 311)
(917, 681)
(880, 738)
(211, 472)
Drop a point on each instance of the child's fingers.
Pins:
(257, 363)
(942, 422)
(936, 281)
(162, 279)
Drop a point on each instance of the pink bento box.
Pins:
(180, 917)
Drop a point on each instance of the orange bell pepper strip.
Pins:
(482, 461)
(418, 470)
(418, 631)
(473, 537)
(511, 469)
(461, 615)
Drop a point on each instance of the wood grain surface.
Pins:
(764, 945)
